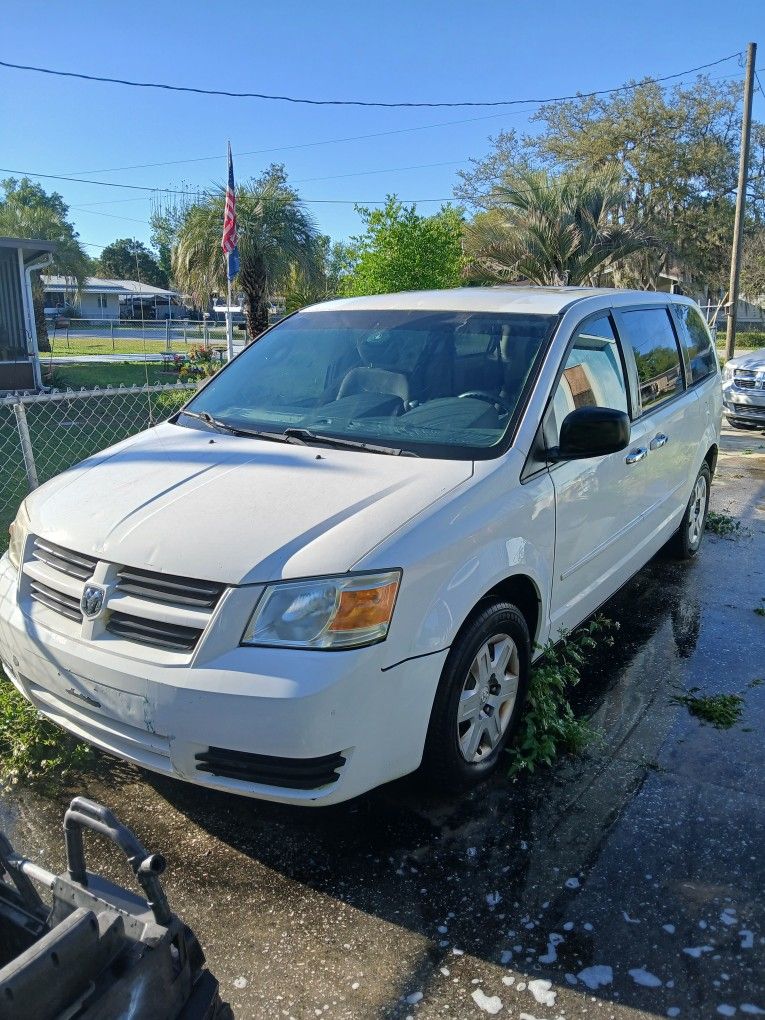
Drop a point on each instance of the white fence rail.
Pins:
(43, 434)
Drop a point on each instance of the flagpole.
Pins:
(229, 323)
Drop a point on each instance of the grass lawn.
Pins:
(64, 432)
(114, 373)
(82, 345)
(154, 343)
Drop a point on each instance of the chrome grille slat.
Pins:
(143, 606)
(168, 588)
(152, 632)
(56, 600)
(76, 564)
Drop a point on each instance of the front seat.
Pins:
(375, 380)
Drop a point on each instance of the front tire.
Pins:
(687, 539)
(480, 698)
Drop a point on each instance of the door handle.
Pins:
(658, 441)
(639, 453)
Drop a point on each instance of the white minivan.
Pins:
(335, 564)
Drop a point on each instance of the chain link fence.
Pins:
(42, 435)
(81, 337)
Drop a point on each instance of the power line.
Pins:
(325, 141)
(87, 206)
(298, 145)
(353, 102)
(200, 193)
(104, 184)
(111, 216)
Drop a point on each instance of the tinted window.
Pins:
(701, 353)
(656, 355)
(592, 375)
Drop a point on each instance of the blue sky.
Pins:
(394, 51)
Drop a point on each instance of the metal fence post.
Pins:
(167, 333)
(111, 324)
(26, 444)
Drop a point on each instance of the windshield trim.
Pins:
(428, 451)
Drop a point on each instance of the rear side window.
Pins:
(657, 357)
(592, 375)
(702, 356)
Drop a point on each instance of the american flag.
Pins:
(230, 239)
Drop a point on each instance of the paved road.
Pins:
(627, 884)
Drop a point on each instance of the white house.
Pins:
(104, 299)
(19, 357)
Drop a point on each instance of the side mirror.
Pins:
(592, 432)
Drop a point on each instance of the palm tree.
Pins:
(552, 230)
(277, 239)
(26, 210)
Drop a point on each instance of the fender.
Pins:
(454, 553)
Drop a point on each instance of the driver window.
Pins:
(592, 375)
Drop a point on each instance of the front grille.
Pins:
(748, 408)
(58, 601)
(66, 562)
(291, 773)
(143, 606)
(184, 591)
(153, 632)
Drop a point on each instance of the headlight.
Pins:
(326, 612)
(728, 372)
(18, 532)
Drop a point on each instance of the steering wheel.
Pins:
(489, 398)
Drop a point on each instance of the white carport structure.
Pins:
(19, 354)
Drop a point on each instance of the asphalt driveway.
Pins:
(628, 883)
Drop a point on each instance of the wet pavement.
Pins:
(627, 883)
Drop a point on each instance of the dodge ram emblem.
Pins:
(92, 601)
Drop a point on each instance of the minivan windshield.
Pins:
(443, 384)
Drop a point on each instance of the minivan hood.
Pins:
(752, 360)
(235, 509)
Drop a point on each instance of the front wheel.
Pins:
(687, 539)
(480, 698)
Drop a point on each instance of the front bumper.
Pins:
(259, 703)
(744, 404)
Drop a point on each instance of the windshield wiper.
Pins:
(235, 430)
(300, 436)
(307, 436)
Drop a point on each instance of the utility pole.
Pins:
(738, 229)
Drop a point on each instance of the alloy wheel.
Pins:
(487, 698)
(698, 512)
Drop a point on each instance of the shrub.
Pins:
(749, 341)
(197, 364)
(549, 725)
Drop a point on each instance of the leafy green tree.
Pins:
(508, 154)
(26, 210)
(551, 229)
(676, 154)
(401, 250)
(336, 260)
(276, 237)
(167, 215)
(753, 263)
(128, 259)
